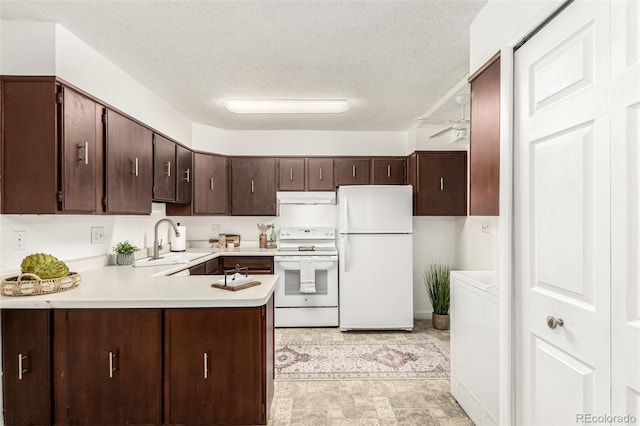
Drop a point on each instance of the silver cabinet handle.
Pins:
(112, 367)
(252, 186)
(552, 322)
(187, 177)
(291, 174)
(388, 170)
(83, 153)
(21, 369)
(206, 365)
(168, 168)
(320, 173)
(353, 170)
(441, 184)
(135, 169)
(211, 182)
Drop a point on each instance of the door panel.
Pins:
(625, 197)
(372, 296)
(562, 218)
(164, 169)
(184, 178)
(79, 152)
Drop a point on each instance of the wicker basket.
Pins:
(19, 286)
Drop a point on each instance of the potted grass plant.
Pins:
(125, 253)
(437, 282)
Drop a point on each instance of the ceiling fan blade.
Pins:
(440, 132)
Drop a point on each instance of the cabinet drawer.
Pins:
(256, 264)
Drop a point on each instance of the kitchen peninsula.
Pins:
(140, 346)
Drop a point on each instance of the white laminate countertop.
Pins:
(152, 287)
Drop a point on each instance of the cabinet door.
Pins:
(113, 366)
(320, 174)
(129, 168)
(78, 154)
(164, 169)
(388, 171)
(484, 150)
(352, 171)
(442, 184)
(211, 184)
(199, 269)
(29, 180)
(253, 186)
(213, 376)
(184, 159)
(26, 367)
(291, 174)
(211, 267)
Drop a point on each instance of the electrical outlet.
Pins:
(19, 240)
(485, 227)
(215, 228)
(97, 235)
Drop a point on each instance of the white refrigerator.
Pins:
(375, 226)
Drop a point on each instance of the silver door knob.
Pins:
(552, 322)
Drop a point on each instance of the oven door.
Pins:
(326, 282)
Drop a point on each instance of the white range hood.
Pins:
(306, 197)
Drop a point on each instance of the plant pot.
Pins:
(125, 259)
(440, 322)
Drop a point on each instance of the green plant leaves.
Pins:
(437, 282)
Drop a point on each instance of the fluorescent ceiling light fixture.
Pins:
(287, 106)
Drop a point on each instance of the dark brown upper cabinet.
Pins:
(253, 186)
(52, 148)
(352, 171)
(129, 166)
(164, 169)
(184, 178)
(210, 192)
(320, 174)
(484, 151)
(291, 172)
(439, 180)
(388, 170)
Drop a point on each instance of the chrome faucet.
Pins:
(156, 244)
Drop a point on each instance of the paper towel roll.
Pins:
(178, 243)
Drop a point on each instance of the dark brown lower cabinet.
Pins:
(26, 366)
(138, 366)
(108, 366)
(219, 365)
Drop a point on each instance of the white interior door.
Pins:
(562, 218)
(625, 250)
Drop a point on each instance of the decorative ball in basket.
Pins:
(41, 274)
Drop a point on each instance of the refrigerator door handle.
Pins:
(345, 214)
(346, 251)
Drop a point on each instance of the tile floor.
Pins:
(365, 402)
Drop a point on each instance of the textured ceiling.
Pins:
(393, 60)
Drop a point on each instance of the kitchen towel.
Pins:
(307, 275)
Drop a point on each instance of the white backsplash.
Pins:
(458, 241)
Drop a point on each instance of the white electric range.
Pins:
(307, 263)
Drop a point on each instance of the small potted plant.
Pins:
(124, 253)
(436, 277)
